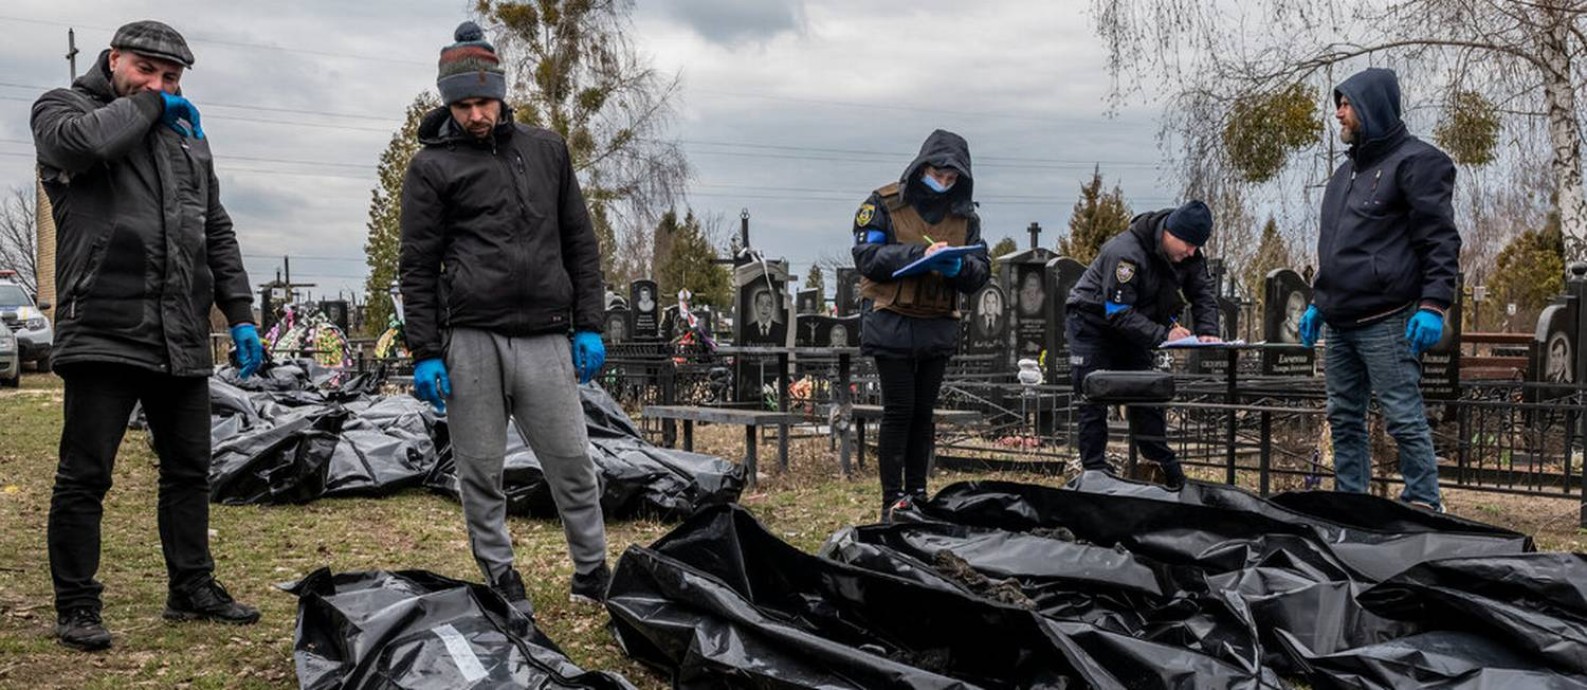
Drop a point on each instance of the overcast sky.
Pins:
(792, 109)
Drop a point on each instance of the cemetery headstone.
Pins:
(1441, 363)
(828, 331)
(761, 317)
(616, 325)
(808, 302)
(848, 292)
(985, 331)
(1063, 273)
(1286, 297)
(1023, 278)
(645, 309)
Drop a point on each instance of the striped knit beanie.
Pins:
(469, 68)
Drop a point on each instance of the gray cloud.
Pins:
(730, 22)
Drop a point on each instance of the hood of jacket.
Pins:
(1375, 96)
(1148, 230)
(96, 81)
(439, 128)
(943, 149)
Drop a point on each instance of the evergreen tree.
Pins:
(691, 263)
(1097, 217)
(1004, 247)
(816, 281)
(1530, 271)
(1271, 253)
(385, 214)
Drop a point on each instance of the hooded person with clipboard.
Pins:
(910, 287)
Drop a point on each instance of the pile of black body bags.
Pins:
(1109, 584)
(295, 433)
(1103, 584)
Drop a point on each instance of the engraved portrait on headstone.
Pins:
(848, 297)
(808, 302)
(987, 320)
(765, 320)
(1554, 346)
(1286, 296)
(646, 309)
(616, 326)
(986, 324)
(838, 336)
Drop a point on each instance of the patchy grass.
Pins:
(256, 547)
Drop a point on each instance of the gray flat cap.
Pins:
(153, 39)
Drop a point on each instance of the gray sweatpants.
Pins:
(530, 378)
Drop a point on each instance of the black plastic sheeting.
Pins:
(298, 439)
(638, 479)
(420, 631)
(1110, 584)
(298, 446)
(720, 602)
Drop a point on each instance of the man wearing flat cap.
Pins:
(145, 248)
(1127, 303)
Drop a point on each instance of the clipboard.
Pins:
(923, 264)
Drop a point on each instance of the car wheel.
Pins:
(15, 381)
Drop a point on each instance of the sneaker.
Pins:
(1428, 506)
(1173, 479)
(80, 628)
(590, 587)
(207, 601)
(510, 587)
(903, 502)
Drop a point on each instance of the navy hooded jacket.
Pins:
(1388, 237)
(890, 334)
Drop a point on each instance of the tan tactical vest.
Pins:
(924, 295)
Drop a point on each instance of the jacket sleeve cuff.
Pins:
(238, 311)
(1436, 305)
(151, 103)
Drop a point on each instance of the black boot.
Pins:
(590, 587)
(510, 587)
(80, 628)
(208, 601)
(1173, 476)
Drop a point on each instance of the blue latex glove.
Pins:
(1310, 326)
(949, 267)
(1424, 330)
(178, 109)
(589, 353)
(431, 384)
(250, 352)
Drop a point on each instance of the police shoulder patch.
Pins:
(866, 213)
(1124, 271)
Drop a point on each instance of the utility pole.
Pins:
(71, 52)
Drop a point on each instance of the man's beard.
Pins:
(1347, 134)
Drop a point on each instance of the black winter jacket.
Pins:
(890, 334)
(1388, 236)
(495, 236)
(144, 246)
(1146, 289)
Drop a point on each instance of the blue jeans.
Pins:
(1377, 359)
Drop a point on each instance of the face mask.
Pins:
(934, 185)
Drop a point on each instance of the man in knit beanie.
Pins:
(1130, 301)
(470, 68)
(501, 281)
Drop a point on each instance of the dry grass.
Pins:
(256, 547)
